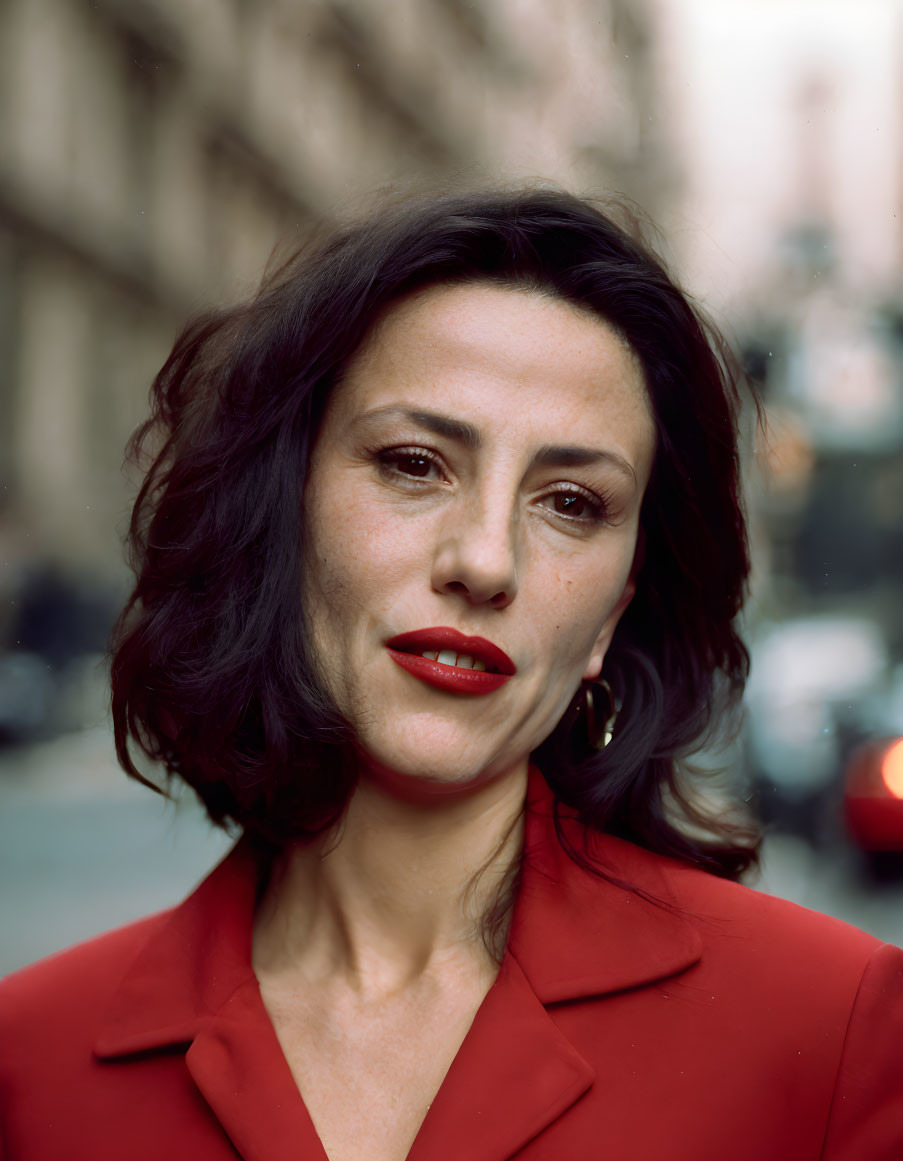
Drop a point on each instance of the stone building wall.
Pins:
(152, 152)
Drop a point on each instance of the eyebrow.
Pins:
(548, 456)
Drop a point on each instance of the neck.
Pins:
(399, 889)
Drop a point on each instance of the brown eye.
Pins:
(412, 465)
(576, 509)
(570, 504)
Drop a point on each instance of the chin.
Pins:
(429, 777)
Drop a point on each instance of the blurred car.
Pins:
(822, 691)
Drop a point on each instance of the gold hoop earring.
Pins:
(600, 719)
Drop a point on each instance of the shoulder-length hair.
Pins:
(211, 671)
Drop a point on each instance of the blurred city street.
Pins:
(82, 850)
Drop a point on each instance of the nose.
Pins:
(476, 555)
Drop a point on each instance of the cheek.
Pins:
(588, 600)
(356, 554)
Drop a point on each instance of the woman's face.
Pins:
(479, 472)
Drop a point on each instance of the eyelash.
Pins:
(388, 459)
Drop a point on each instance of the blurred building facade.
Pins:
(154, 152)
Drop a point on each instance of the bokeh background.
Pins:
(153, 154)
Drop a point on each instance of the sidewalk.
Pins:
(83, 848)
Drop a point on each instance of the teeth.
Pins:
(461, 660)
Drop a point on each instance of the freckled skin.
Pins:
(476, 544)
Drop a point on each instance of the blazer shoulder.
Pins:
(718, 906)
(79, 977)
(726, 907)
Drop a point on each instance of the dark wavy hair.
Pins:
(211, 670)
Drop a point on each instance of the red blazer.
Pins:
(722, 1025)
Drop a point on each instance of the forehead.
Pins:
(516, 323)
(494, 353)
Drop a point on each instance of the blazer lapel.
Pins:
(513, 1075)
(574, 934)
(238, 1066)
(193, 985)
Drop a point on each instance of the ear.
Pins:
(600, 648)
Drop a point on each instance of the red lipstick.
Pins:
(407, 650)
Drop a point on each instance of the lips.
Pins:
(494, 667)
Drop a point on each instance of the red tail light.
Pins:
(892, 769)
(873, 795)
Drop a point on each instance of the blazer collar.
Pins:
(573, 934)
(197, 958)
(576, 933)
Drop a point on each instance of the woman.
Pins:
(438, 562)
